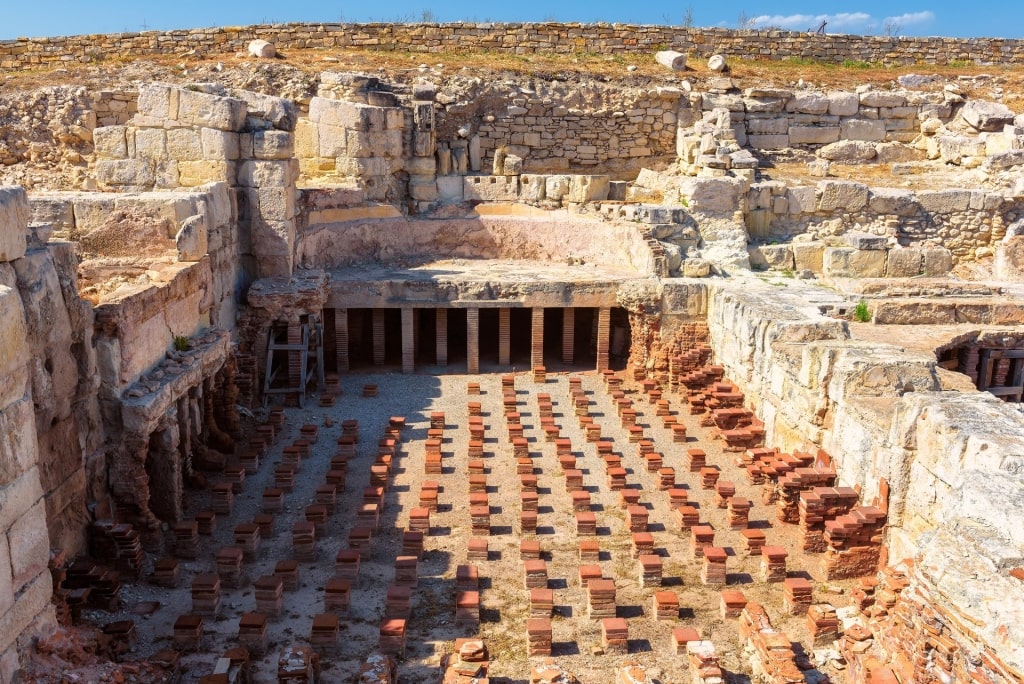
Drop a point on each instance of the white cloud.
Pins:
(804, 22)
(911, 18)
(852, 22)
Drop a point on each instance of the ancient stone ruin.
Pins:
(272, 367)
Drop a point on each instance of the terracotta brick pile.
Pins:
(818, 506)
(772, 657)
(703, 659)
(788, 486)
(854, 544)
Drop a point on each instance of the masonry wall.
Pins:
(519, 38)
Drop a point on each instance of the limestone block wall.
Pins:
(944, 457)
(25, 584)
(970, 223)
(554, 128)
(184, 137)
(519, 38)
(776, 118)
(554, 236)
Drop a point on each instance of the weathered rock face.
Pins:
(940, 459)
(25, 584)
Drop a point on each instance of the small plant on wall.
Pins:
(861, 313)
(182, 342)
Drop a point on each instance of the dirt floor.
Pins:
(504, 599)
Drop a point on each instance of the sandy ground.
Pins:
(504, 598)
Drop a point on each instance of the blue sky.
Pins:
(917, 18)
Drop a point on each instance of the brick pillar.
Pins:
(341, 338)
(504, 336)
(408, 341)
(295, 370)
(473, 340)
(441, 329)
(537, 338)
(378, 337)
(568, 333)
(604, 324)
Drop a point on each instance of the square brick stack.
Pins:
(269, 591)
(739, 513)
(467, 578)
(392, 637)
(186, 539)
(529, 549)
(713, 572)
(695, 460)
(477, 548)
(590, 551)
(480, 520)
(304, 541)
(702, 537)
(629, 497)
(288, 570)
(166, 572)
(755, 540)
(398, 602)
(637, 517)
(732, 604)
(406, 571)
(616, 478)
(573, 480)
(467, 609)
(643, 544)
(206, 522)
(528, 501)
(600, 599)
(681, 636)
(708, 477)
(223, 498)
(615, 636)
(337, 594)
(687, 517)
(284, 478)
(581, 501)
(368, 516)
(476, 466)
(206, 594)
(666, 605)
(528, 522)
(428, 499)
(678, 433)
(266, 523)
(419, 520)
(252, 633)
(346, 565)
(188, 632)
(229, 566)
(773, 563)
(667, 479)
(822, 624)
(324, 633)
(588, 573)
(536, 574)
(724, 490)
(538, 637)
(586, 524)
(798, 594)
(542, 603)
(317, 514)
(650, 570)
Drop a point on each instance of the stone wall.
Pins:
(969, 224)
(186, 137)
(25, 585)
(877, 410)
(518, 38)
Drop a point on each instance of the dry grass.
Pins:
(573, 66)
